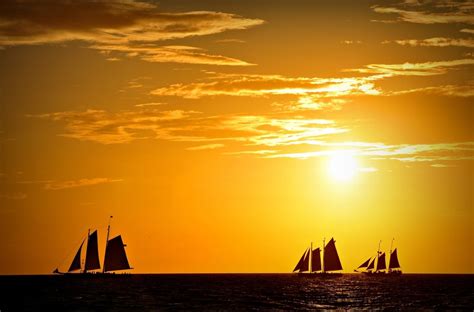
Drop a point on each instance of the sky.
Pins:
(226, 136)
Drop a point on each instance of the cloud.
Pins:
(121, 127)
(60, 185)
(444, 90)
(150, 104)
(467, 30)
(430, 12)
(230, 41)
(274, 135)
(13, 196)
(189, 126)
(204, 147)
(315, 93)
(127, 26)
(263, 85)
(171, 54)
(400, 152)
(436, 42)
(413, 69)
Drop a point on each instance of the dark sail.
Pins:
(371, 264)
(316, 260)
(381, 262)
(115, 256)
(305, 264)
(76, 262)
(393, 264)
(365, 264)
(92, 253)
(331, 258)
(298, 266)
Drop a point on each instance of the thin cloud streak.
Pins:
(429, 12)
(61, 185)
(436, 42)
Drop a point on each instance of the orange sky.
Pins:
(225, 136)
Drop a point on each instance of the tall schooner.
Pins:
(310, 263)
(115, 258)
(377, 264)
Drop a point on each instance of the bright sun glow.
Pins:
(342, 166)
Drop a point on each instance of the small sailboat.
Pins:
(377, 264)
(310, 263)
(115, 258)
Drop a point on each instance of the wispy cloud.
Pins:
(381, 151)
(13, 196)
(126, 26)
(430, 12)
(189, 126)
(171, 54)
(436, 42)
(263, 85)
(121, 127)
(205, 147)
(230, 41)
(445, 90)
(467, 30)
(60, 185)
(414, 69)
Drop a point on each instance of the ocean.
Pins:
(241, 292)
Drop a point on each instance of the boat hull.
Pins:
(94, 275)
(320, 275)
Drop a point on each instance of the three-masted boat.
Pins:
(377, 264)
(115, 258)
(310, 263)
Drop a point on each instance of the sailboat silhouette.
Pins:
(377, 264)
(310, 263)
(115, 258)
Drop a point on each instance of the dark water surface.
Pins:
(236, 292)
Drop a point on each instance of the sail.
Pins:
(381, 262)
(393, 263)
(298, 266)
(371, 264)
(316, 260)
(115, 256)
(305, 264)
(331, 258)
(76, 262)
(365, 264)
(92, 253)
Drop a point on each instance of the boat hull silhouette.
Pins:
(319, 275)
(91, 275)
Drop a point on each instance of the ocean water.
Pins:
(240, 292)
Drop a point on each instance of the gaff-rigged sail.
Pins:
(92, 253)
(331, 258)
(316, 260)
(365, 264)
(393, 263)
(300, 263)
(115, 256)
(76, 262)
(381, 262)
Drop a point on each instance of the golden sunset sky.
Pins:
(225, 136)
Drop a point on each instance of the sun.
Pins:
(342, 166)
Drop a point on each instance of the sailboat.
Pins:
(115, 258)
(310, 263)
(377, 264)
